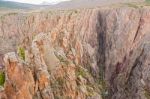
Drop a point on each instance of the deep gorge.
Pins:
(100, 53)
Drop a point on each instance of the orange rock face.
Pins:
(20, 82)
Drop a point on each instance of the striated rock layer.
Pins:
(80, 54)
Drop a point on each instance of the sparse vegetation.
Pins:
(21, 52)
(132, 5)
(61, 81)
(147, 94)
(12, 13)
(104, 91)
(80, 72)
(62, 58)
(2, 78)
(90, 91)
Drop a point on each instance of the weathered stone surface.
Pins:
(61, 71)
(126, 48)
(46, 73)
(19, 79)
(44, 52)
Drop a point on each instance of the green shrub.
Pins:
(21, 52)
(2, 78)
(80, 72)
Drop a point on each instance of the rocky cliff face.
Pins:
(79, 54)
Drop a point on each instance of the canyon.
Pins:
(92, 53)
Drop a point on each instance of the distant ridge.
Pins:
(88, 3)
(15, 5)
(73, 4)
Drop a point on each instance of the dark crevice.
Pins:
(136, 63)
(40, 93)
(101, 40)
(136, 69)
(101, 28)
(127, 84)
(120, 66)
(138, 28)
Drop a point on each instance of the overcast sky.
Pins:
(38, 1)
